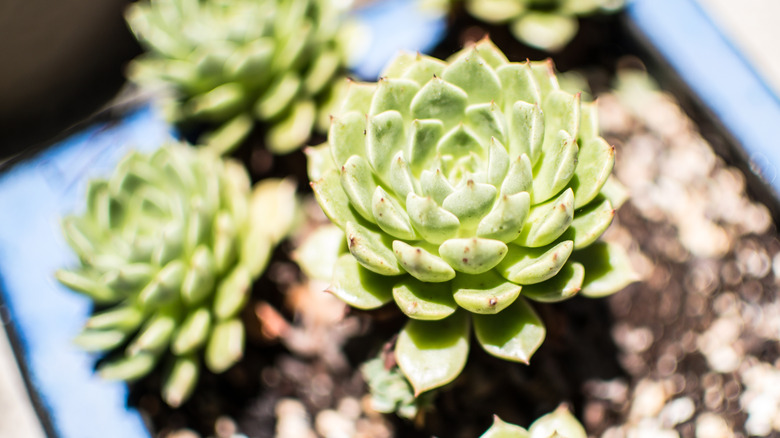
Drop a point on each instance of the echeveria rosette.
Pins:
(464, 188)
(557, 424)
(229, 62)
(169, 246)
(544, 24)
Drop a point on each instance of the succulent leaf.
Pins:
(486, 293)
(562, 286)
(433, 353)
(502, 429)
(357, 286)
(424, 301)
(607, 269)
(559, 423)
(513, 334)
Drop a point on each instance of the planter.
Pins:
(631, 349)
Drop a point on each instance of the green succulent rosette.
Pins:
(227, 63)
(544, 24)
(466, 188)
(557, 424)
(169, 246)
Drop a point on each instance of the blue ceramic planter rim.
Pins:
(718, 74)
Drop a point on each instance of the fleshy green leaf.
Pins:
(486, 293)
(423, 69)
(422, 264)
(357, 286)
(332, 199)
(434, 223)
(470, 202)
(519, 178)
(546, 222)
(505, 221)
(546, 31)
(564, 285)
(232, 293)
(292, 131)
(590, 222)
(594, 165)
(433, 353)
(357, 97)
(347, 137)
(425, 136)
(559, 423)
(128, 368)
(556, 167)
(440, 100)
(385, 136)
(473, 255)
(607, 269)
(534, 265)
(393, 95)
(357, 180)
(391, 216)
(317, 255)
(435, 185)
(502, 429)
(371, 249)
(518, 84)
(526, 131)
(225, 346)
(514, 334)
(102, 340)
(155, 335)
(475, 77)
(181, 381)
(424, 301)
(193, 332)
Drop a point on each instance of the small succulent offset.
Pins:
(545, 24)
(464, 188)
(390, 391)
(228, 62)
(557, 424)
(169, 246)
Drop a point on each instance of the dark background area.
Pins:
(60, 62)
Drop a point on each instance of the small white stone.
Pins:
(709, 425)
(649, 399)
(331, 424)
(292, 420)
(677, 411)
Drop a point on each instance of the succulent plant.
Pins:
(390, 391)
(465, 188)
(544, 24)
(228, 62)
(557, 424)
(169, 246)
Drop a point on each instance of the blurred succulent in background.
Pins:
(544, 24)
(465, 187)
(226, 63)
(557, 424)
(169, 247)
